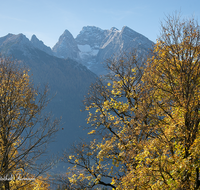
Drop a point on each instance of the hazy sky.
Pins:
(48, 19)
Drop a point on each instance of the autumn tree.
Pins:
(24, 129)
(145, 120)
(113, 117)
(172, 77)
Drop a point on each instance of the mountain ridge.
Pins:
(92, 46)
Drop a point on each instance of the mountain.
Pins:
(68, 82)
(40, 45)
(93, 46)
(125, 40)
(66, 47)
(10, 41)
(92, 36)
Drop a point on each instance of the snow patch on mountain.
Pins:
(87, 50)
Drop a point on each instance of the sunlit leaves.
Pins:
(21, 140)
(147, 119)
(172, 75)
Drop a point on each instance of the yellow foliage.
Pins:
(91, 132)
(150, 123)
(19, 112)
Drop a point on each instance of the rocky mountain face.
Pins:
(93, 45)
(40, 45)
(10, 41)
(66, 47)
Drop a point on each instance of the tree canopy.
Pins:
(145, 119)
(24, 129)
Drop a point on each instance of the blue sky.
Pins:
(48, 19)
